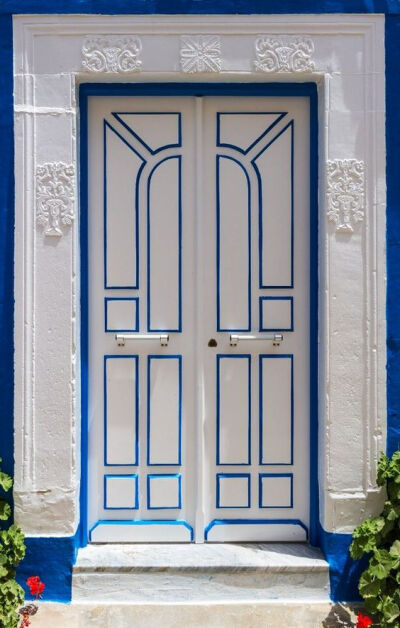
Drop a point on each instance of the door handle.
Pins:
(162, 338)
(235, 338)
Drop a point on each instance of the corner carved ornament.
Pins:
(55, 195)
(112, 55)
(200, 53)
(345, 193)
(284, 54)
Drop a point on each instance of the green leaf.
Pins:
(5, 481)
(390, 609)
(368, 585)
(5, 510)
(395, 549)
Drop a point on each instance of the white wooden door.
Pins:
(198, 229)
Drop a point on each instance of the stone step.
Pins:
(272, 614)
(209, 573)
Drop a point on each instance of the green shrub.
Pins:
(380, 537)
(12, 551)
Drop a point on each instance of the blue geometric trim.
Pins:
(143, 522)
(281, 115)
(135, 326)
(178, 144)
(153, 476)
(222, 476)
(261, 311)
(219, 328)
(236, 356)
(218, 522)
(261, 476)
(135, 495)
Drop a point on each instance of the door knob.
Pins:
(212, 342)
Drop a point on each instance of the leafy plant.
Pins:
(379, 584)
(12, 551)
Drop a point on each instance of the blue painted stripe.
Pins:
(229, 356)
(219, 326)
(150, 461)
(193, 7)
(313, 377)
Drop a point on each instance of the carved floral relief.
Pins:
(284, 54)
(55, 194)
(345, 193)
(111, 54)
(200, 53)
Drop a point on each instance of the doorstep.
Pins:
(200, 615)
(209, 573)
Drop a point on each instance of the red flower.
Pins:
(36, 587)
(363, 621)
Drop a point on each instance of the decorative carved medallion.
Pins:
(284, 54)
(112, 54)
(200, 53)
(345, 193)
(54, 197)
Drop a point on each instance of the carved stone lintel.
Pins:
(200, 53)
(284, 54)
(111, 54)
(55, 197)
(345, 193)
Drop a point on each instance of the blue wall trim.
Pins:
(6, 245)
(344, 573)
(52, 560)
(392, 28)
(200, 6)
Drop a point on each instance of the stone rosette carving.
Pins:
(55, 195)
(111, 54)
(284, 54)
(345, 193)
(200, 53)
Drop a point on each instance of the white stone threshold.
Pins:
(272, 614)
(209, 573)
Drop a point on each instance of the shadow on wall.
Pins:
(341, 615)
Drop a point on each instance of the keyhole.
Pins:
(212, 342)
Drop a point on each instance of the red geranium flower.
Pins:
(36, 587)
(363, 621)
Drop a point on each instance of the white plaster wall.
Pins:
(346, 59)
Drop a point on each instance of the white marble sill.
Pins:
(273, 557)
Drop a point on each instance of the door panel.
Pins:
(198, 228)
(256, 173)
(141, 418)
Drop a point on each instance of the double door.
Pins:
(199, 326)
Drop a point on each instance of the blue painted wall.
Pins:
(52, 559)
